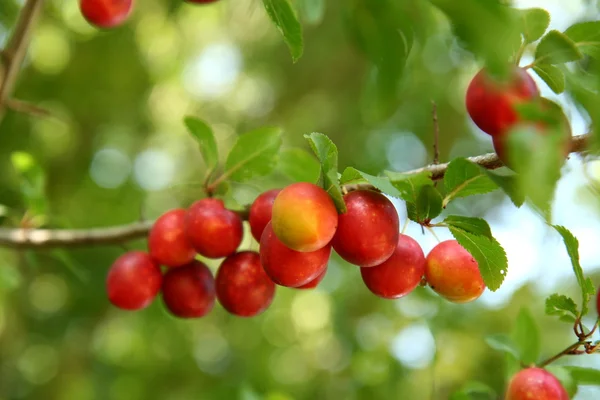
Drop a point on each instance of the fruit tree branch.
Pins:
(48, 238)
(15, 50)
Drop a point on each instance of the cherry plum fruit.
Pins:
(535, 383)
(288, 267)
(213, 230)
(304, 217)
(260, 212)
(133, 281)
(367, 232)
(398, 275)
(189, 291)
(453, 273)
(243, 287)
(491, 103)
(168, 243)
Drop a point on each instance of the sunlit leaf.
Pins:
(464, 178)
(327, 153)
(534, 22)
(585, 284)
(254, 154)
(285, 19)
(205, 138)
(556, 48)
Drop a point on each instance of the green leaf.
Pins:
(474, 390)
(565, 377)
(556, 48)
(562, 306)
(353, 176)
(552, 75)
(10, 276)
(487, 28)
(526, 336)
(205, 138)
(476, 226)
(409, 185)
(586, 284)
(77, 270)
(383, 31)
(312, 10)
(534, 22)
(585, 376)
(537, 171)
(299, 165)
(464, 178)
(583, 88)
(285, 19)
(488, 253)
(254, 154)
(327, 154)
(586, 35)
(427, 206)
(504, 343)
(32, 182)
(509, 184)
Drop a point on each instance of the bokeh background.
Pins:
(116, 150)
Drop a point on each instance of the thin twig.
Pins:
(27, 108)
(16, 48)
(569, 350)
(44, 238)
(436, 134)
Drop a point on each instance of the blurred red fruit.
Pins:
(243, 288)
(189, 291)
(261, 211)
(106, 13)
(133, 281)
(491, 103)
(167, 241)
(213, 230)
(398, 275)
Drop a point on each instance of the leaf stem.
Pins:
(520, 52)
(405, 225)
(433, 233)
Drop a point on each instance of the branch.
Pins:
(47, 238)
(571, 350)
(16, 48)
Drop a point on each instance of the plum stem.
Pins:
(569, 350)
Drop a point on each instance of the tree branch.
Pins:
(16, 48)
(48, 238)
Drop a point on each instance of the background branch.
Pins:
(15, 50)
(46, 238)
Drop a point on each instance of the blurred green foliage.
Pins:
(116, 149)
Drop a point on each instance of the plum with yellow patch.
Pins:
(535, 383)
(304, 217)
(453, 273)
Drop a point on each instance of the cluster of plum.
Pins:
(493, 104)
(297, 227)
(112, 13)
